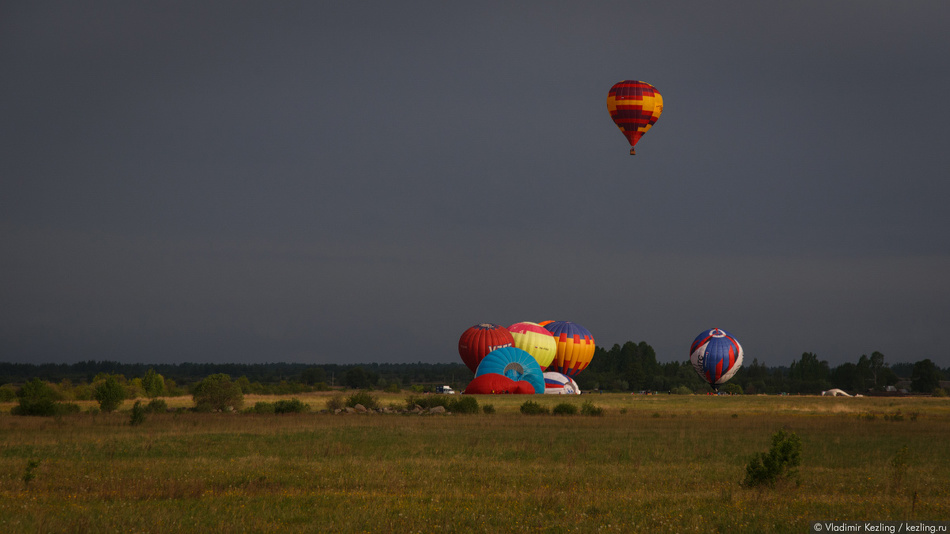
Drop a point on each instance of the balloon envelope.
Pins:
(494, 383)
(575, 347)
(634, 107)
(536, 341)
(716, 356)
(515, 364)
(558, 384)
(481, 339)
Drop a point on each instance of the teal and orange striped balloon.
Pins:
(634, 107)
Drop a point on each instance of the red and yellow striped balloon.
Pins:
(634, 107)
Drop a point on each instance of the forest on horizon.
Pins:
(629, 367)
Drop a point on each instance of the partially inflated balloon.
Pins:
(716, 356)
(575, 347)
(514, 363)
(634, 107)
(558, 384)
(481, 339)
(494, 383)
(536, 341)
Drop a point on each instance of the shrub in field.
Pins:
(7, 393)
(138, 414)
(261, 407)
(533, 408)
(368, 400)
(37, 397)
(564, 408)
(463, 404)
(30, 473)
(780, 462)
(488, 408)
(938, 392)
(588, 408)
(217, 392)
(427, 401)
(294, 405)
(156, 406)
(681, 390)
(153, 383)
(109, 394)
(336, 402)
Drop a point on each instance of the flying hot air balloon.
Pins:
(575, 347)
(716, 356)
(481, 339)
(634, 107)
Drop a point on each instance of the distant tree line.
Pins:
(630, 367)
(633, 367)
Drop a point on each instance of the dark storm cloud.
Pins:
(351, 183)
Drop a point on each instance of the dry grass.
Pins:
(664, 463)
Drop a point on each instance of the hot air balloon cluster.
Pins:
(514, 359)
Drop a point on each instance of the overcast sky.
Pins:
(352, 182)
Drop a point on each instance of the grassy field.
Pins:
(650, 464)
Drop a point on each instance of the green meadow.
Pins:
(648, 464)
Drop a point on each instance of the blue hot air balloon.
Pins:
(716, 356)
(514, 363)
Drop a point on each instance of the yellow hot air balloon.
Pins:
(536, 341)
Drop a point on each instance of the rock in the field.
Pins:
(437, 409)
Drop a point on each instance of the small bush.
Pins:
(681, 390)
(261, 407)
(780, 462)
(217, 392)
(564, 408)
(335, 403)
(427, 401)
(7, 393)
(30, 472)
(939, 392)
(588, 408)
(37, 397)
(294, 405)
(138, 414)
(110, 394)
(156, 406)
(368, 400)
(488, 408)
(533, 408)
(463, 404)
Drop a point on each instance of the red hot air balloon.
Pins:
(481, 339)
(634, 107)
